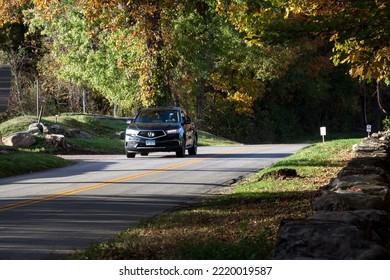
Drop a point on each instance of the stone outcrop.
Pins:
(19, 140)
(57, 140)
(351, 219)
(54, 134)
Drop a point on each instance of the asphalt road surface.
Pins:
(46, 215)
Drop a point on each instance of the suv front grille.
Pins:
(151, 134)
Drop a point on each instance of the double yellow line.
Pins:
(110, 182)
(95, 186)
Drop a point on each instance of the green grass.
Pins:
(240, 225)
(17, 124)
(27, 161)
(208, 139)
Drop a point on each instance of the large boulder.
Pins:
(19, 140)
(59, 129)
(39, 128)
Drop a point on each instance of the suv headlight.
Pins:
(131, 132)
(173, 131)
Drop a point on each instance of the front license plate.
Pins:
(150, 142)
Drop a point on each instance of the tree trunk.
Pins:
(200, 105)
(155, 86)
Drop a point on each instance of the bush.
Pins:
(386, 123)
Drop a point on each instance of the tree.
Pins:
(359, 29)
(93, 61)
(20, 50)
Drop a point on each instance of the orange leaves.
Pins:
(11, 11)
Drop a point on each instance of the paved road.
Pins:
(48, 214)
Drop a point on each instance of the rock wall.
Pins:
(351, 219)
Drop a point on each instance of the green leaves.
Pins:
(359, 29)
(102, 61)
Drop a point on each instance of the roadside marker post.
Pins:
(323, 133)
(368, 130)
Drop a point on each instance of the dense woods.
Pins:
(253, 71)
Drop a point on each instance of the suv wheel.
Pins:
(130, 155)
(181, 152)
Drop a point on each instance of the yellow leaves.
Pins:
(334, 37)
(243, 101)
(376, 70)
(10, 11)
(365, 62)
(241, 91)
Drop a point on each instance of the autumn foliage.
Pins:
(243, 64)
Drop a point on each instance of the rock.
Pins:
(39, 128)
(34, 130)
(319, 240)
(46, 129)
(19, 140)
(85, 135)
(280, 174)
(372, 147)
(74, 132)
(380, 191)
(120, 135)
(58, 140)
(362, 166)
(373, 223)
(59, 129)
(361, 179)
(346, 201)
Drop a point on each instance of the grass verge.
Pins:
(208, 139)
(28, 161)
(240, 225)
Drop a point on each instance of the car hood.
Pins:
(154, 126)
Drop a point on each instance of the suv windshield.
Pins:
(158, 116)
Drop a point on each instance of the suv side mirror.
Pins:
(129, 121)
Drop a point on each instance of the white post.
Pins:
(368, 129)
(323, 133)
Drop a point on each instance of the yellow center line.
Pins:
(110, 182)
